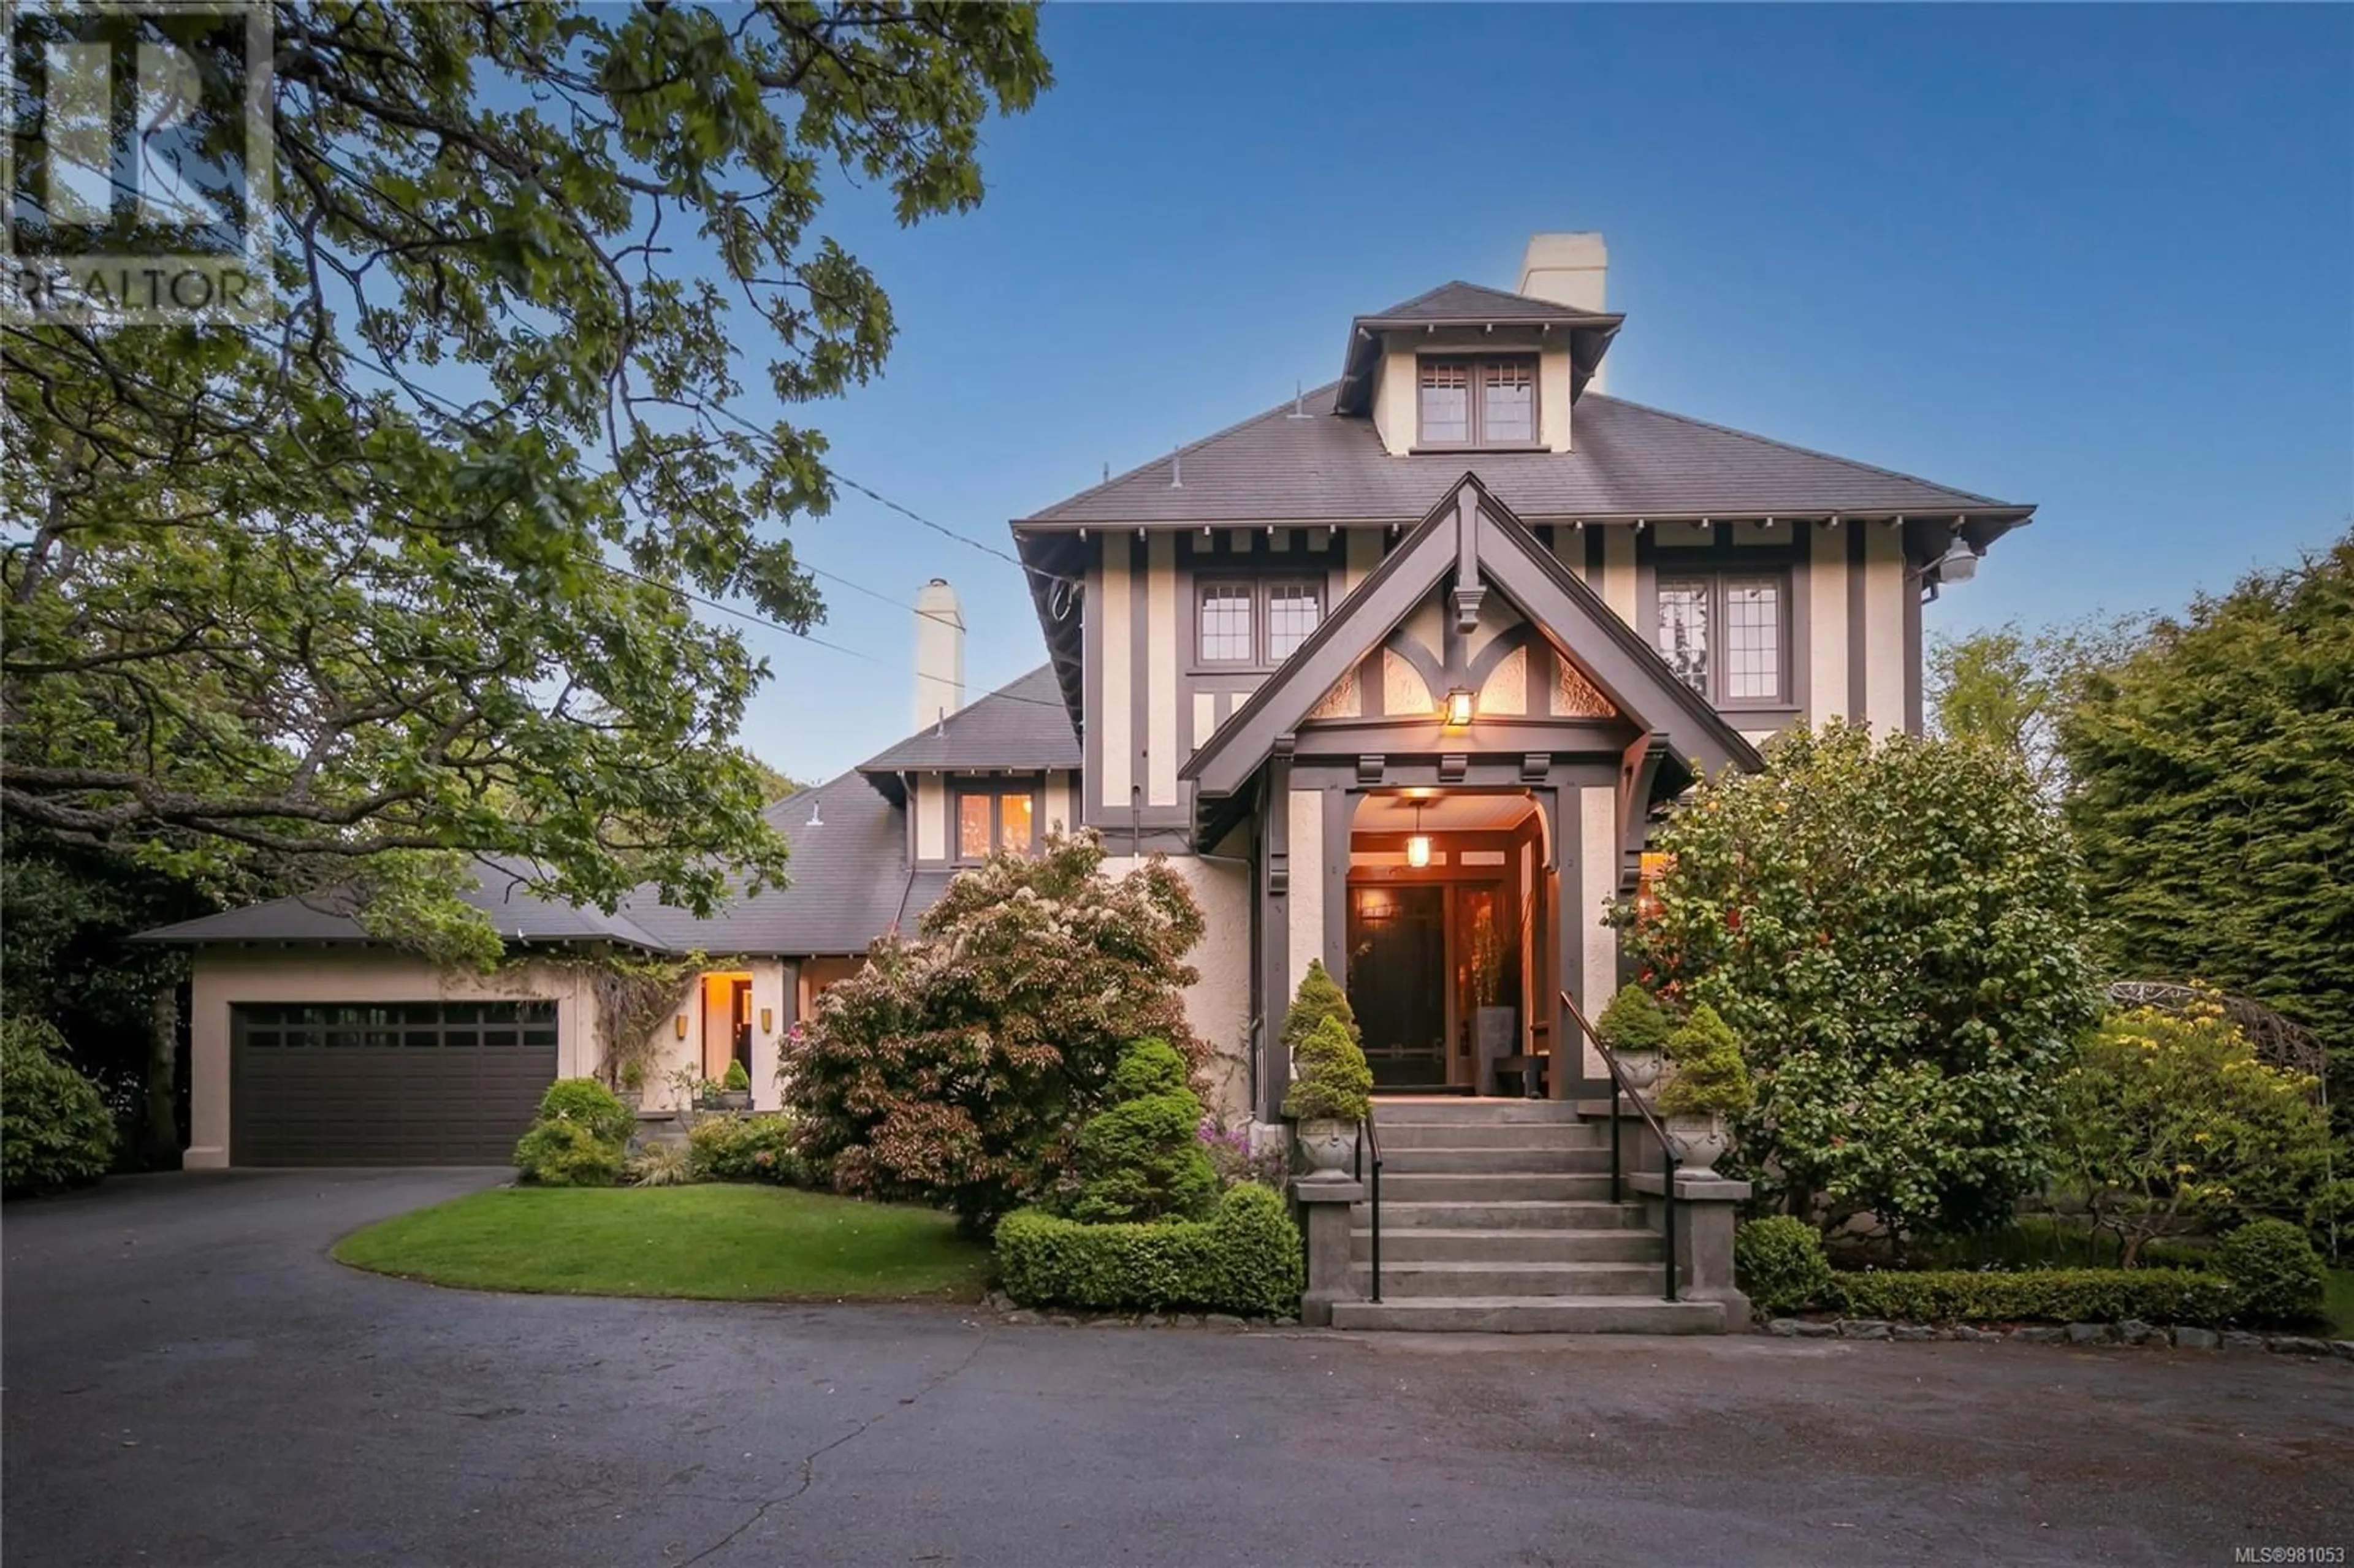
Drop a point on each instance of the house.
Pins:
(1397, 673)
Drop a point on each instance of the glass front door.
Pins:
(1397, 981)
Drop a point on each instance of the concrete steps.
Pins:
(1497, 1218)
(1621, 1243)
(1533, 1315)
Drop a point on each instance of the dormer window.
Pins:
(1473, 403)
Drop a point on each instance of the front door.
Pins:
(1397, 981)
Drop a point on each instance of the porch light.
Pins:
(1459, 708)
(1418, 844)
(678, 1024)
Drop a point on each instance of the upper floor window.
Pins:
(1258, 623)
(1726, 636)
(1478, 402)
(992, 820)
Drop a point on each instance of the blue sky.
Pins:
(2100, 259)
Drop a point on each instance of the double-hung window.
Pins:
(1726, 635)
(1477, 402)
(1255, 624)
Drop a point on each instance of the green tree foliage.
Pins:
(2214, 803)
(1142, 1157)
(401, 569)
(1634, 1021)
(1893, 930)
(2010, 689)
(2169, 1124)
(957, 1069)
(1334, 1081)
(54, 1128)
(1710, 1078)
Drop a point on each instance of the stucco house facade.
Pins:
(1397, 673)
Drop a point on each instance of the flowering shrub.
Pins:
(2168, 1123)
(1893, 930)
(1229, 1148)
(957, 1069)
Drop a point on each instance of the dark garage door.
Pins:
(403, 1083)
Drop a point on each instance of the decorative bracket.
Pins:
(1453, 767)
(1370, 769)
(1535, 766)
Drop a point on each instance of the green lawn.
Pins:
(715, 1242)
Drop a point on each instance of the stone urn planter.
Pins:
(1698, 1143)
(1641, 1068)
(735, 1099)
(1328, 1148)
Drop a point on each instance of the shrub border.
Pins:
(2131, 1331)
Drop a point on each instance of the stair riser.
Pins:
(1489, 1188)
(1496, 1162)
(1439, 1280)
(1398, 1216)
(1629, 1317)
(1477, 1112)
(1509, 1246)
(1400, 1135)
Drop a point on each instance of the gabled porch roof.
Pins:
(1475, 540)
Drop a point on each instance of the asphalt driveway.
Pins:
(189, 1380)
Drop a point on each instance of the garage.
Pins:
(386, 1083)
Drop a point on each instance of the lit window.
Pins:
(1226, 624)
(1292, 611)
(972, 827)
(1013, 823)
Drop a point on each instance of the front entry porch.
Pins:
(1449, 895)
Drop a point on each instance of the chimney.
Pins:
(1568, 270)
(939, 654)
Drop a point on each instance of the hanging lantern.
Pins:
(1418, 844)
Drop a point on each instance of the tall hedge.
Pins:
(2212, 799)
(1893, 930)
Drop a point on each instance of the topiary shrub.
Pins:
(1319, 997)
(54, 1127)
(1142, 1159)
(736, 1081)
(747, 1149)
(1779, 1265)
(1710, 1079)
(1245, 1258)
(2276, 1270)
(2047, 1295)
(589, 1104)
(562, 1153)
(1335, 1081)
(1634, 1021)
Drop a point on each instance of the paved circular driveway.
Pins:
(189, 1380)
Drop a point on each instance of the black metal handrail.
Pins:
(1668, 1160)
(1367, 1137)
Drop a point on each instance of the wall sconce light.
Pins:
(768, 1021)
(1459, 708)
(1418, 844)
(678, 1026)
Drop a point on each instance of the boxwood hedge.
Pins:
(1245, 1258)
(2052, 1295)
